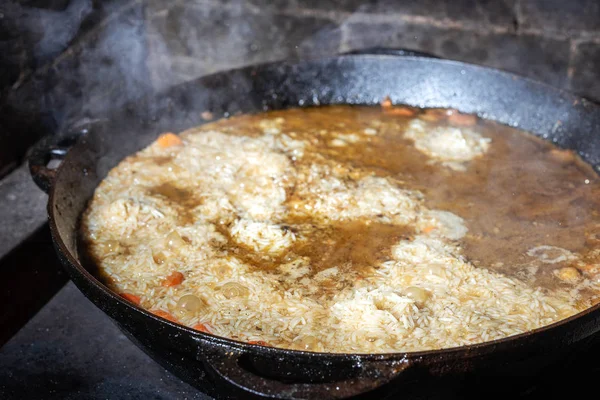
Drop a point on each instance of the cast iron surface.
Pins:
(71, 350)
(226, 368)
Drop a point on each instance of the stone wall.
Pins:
(554, 41)
(67, 58)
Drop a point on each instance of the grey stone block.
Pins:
(476, 12)
(190, 41)
(565, 16)
(585, 70)
(536, 57)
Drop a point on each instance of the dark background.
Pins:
(63, 59)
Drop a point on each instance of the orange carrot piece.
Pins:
(386, 102)
(164, 314)
(173, 280)
(459, 119)
(168, 140)
(564, 156)
(435, 114)
(259, 342)
(131, 297)
(201, 328)
(429, 228)
(400, 111)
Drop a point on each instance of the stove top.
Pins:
(71, 350)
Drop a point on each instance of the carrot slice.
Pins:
(173, 280)
(400, 111)
(168, 140)
(389, 108)
(564, 156)
(435, 114)
(386, 102)
(164, 314)
(131, 297)
(428, 229)
(201, 328)
(459, 119)
(259, 342)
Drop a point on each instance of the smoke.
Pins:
(191, 39)
(53, 30)
(89, 59)
(93, 57)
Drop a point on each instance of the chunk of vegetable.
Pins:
(131, 297)
(259, 342)
(389, 108)
(399, 111)
(428, 229)
(159, 257)
(164, 314)
(234, 289)
(223, 271)
(386, 102)
(175, 241)
(564, 156)
(434, 114)
(201, 328)
(458, 119)
(190, 303)
(168, 140)
(568, 274)
(173, 280)
(418, 294)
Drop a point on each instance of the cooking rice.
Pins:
(267, 235)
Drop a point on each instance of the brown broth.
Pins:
(354, 247)
(525, 192)
(351, 245)
(183, 199)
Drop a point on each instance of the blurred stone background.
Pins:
(63, 59)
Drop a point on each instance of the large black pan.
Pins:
(226, 368)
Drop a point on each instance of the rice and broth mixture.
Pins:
(351, 229)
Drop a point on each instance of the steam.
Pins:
(55, 29)
(89, 60)
(142, 47)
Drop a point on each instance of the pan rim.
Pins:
(464, 351)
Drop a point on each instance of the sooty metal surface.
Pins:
(226, 368)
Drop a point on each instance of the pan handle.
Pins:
(370, 376)
(387, 51)
(45, 156)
